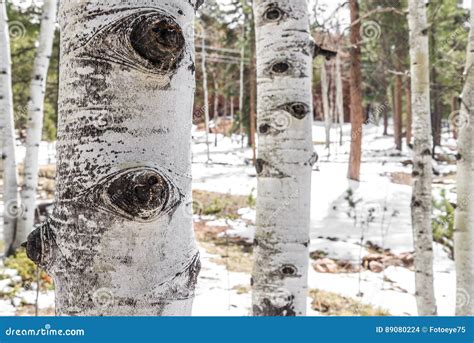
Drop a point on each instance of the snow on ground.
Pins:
(381, 216)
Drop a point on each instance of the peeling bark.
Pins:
(35, 120)
(119, 241)
(11, 204)
(464, 232)
(284, 71)
(422, 163)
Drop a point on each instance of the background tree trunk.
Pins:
(284, 107)
(35, 120)
(357, 112)
(120, 239)
(12, 208)
(422, 164)
(463, 232)
(206, 91)
(216, 108)
(241, 97)
(326, 107)
(397, 114)
(339, 98)
(409, 112)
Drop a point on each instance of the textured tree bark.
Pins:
(206, 91)
(339, 98)
(409, 112)
(35, 120)
(284, 71)
(253, 114)
(464, 232)
(7, 128)
(422, 164)
(120, 241)
(241, 96)
(357, 112)
(326, 106)
(397, 115)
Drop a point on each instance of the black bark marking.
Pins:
(289, 270)
(264, 129)
(266, 308)
(298, 110)
(273, 13)
(426, 152)
(265, 169)
(39, 245)
(458, 157)
(281, 67)
(160, 41)
(140, 194)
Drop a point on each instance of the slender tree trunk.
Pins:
(216, 109)
(326, 107)
(397, 115)
(120, 241)
(241, 96)
(464, 231)
(35, 120)
(253, 114)
(284, 69)
(409, 112)
(12, 208)
(339, 97)
(357, 112)
(206, 91)
(422, 164)
(454, 108)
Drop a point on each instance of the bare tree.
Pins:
(120, 240)
(422, 164)
(35, 119)
(357, 113)
(464, 232)
(285, 157)
(7, 129)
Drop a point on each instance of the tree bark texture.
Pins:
(422, 163)
(120, 239)
(285, 157)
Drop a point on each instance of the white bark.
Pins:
(422, 164)
(120, 240)
(206, 91)
(326, 104)
(35, 119)
(284, 107)
(464, 232)
(339, 97)
(7, 128)
(241, 96)
(216, 109)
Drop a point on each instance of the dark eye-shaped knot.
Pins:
(142, 194)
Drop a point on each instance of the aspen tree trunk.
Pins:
(422, 164)
(216, 109)
(241, 98)
(253, 114)
(326, 107)
(35, 119)
(339, 97)
(284, 107)
(206, 91)
(357, 113)
(120, 241)
(397, 115)
(12, 208)
(464, 232)
(409, 112)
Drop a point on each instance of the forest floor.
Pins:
(361, 241)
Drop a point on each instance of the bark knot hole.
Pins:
(273, 13)
(158, 40)
(280, 67)
(289, 270)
